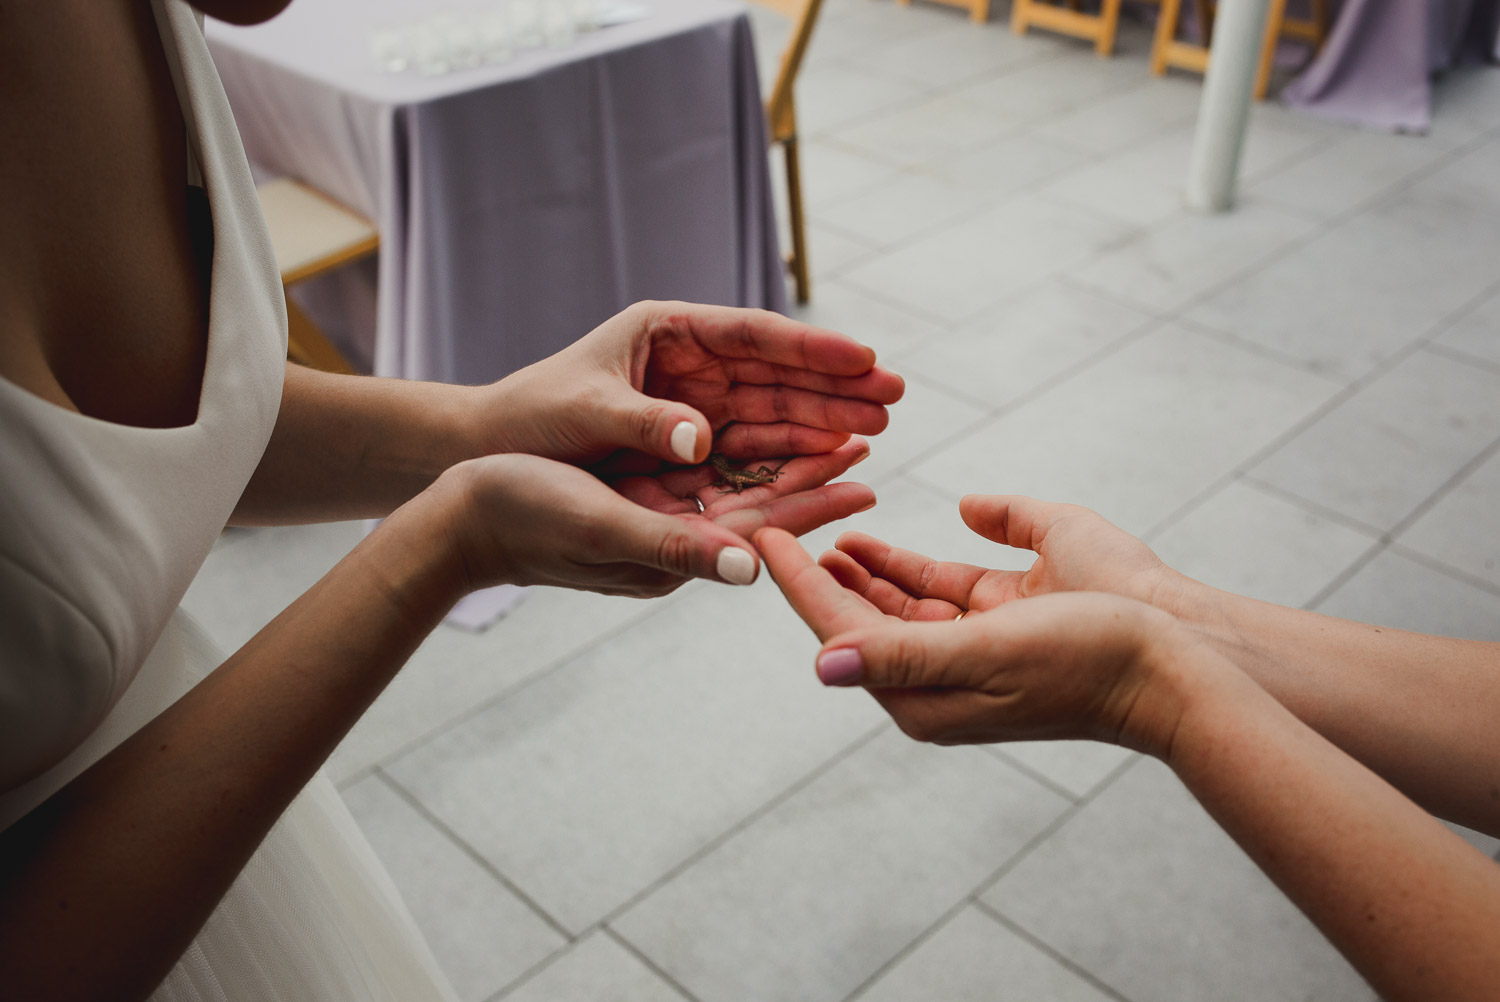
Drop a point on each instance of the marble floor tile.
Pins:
(596, 969)
(1145, 892)
(931, 131)
(1163, 268)
(1120, 191)
(832, 96)
(1386, 449)
(1350, 170)
(959, 53)
(816, 896)
(830, 251)
(1476, 333)
(454, 671)
(959, 270)
(1119, 120)
(1043, 91)
(1138, 434)
(597, 780)
(1462, 530)
(1355, 295)
(483, 936)
(1009, 165)
(1076, 767)
(974, 958)
(869, 319)
(1394, 590)
(925, 417)
(1024, 343)
(829, 173)
(897, 209)
(1251, 542)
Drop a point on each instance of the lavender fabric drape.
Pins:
(1377, 65)
(519, 204)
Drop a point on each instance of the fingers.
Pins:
(801, 512)
(687, 547)
(917, 576)
(821, 602)
(880, 384)
(767, 336)
(1014, 520)
(800, 473)
(884, 595)
(752, 441)
(781, 403)
(908, 655)
(666, 429)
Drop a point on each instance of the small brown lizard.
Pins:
(731, 479)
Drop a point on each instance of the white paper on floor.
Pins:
(479, 610)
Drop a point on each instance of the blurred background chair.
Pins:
(979, 10)
(1168, 51)
(312, 235)
(1071, 20)
(781, 118)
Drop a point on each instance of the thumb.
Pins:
(666, 429)
(686, 547)
(903, 655)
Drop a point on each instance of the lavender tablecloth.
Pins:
(1377, 66)
(522, 203)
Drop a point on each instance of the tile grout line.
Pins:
(650, 964)
(1061, 958)
(548, 669)
(1064, 816)
(997, 751)
(468, 850)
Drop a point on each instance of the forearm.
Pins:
(1419, 710)
(105, 884)
(356, 447)
(1412, 906)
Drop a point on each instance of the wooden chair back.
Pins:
(781, 112)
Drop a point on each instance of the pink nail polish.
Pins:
(841, 666)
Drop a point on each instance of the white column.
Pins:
(1224, 111)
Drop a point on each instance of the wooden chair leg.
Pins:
(1274, 16)
(798, 260)
(1320, 21)
(307, 345)
(1109, 24)
(979, 13)
(1020, 16)
(1204, 11)
(1166, 34)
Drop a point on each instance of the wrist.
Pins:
(1176, 676)
(416, 555)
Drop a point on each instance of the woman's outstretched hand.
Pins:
(1076, 548)
(1066, 665)
(667, 383)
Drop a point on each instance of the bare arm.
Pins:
(105, 884)
(1419, 710)
(747, 383)
(1413, 907)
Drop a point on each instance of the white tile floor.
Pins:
(604, 799)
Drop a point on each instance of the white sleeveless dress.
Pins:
(102, 528)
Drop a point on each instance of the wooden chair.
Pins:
(781, 117)
(1167, 50)
(312, 235)
(1098, 28)
(979, 10)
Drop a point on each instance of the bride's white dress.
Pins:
(102, 527)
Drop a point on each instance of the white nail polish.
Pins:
(685, 441)
(736, 566)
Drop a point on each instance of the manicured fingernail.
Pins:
(868, 506)
(736, 566)
(685, 441)
(841, 666)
